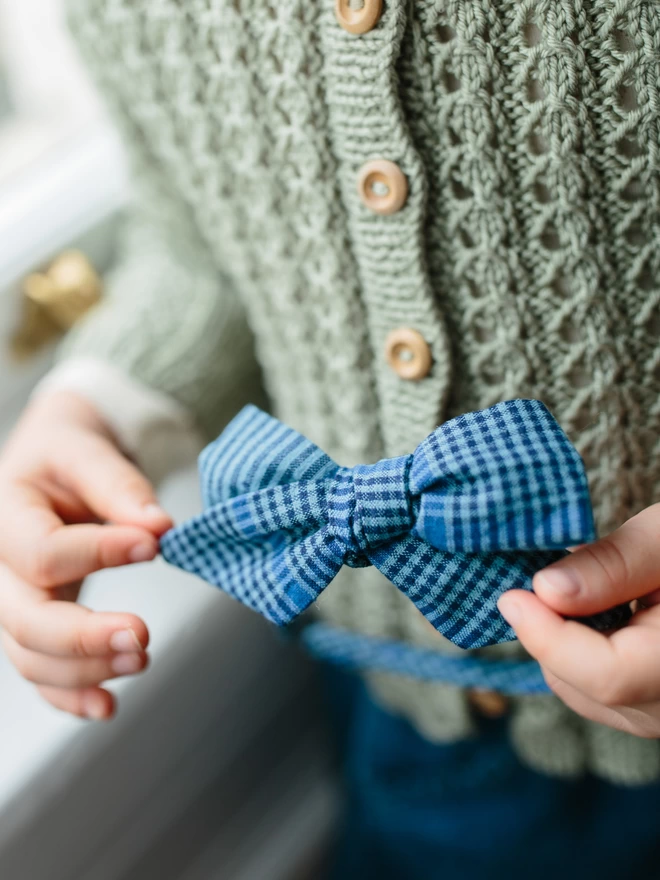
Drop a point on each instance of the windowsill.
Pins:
(67, 187)
(217, 674)
(58, 181)
(107, 794)
(31, 732)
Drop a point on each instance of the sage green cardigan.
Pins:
(527, 253)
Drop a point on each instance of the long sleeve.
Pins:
(151, 427)
(169, 319)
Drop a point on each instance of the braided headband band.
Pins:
(483, 503)
(354, 651)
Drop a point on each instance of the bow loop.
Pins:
(505, 478)
(235, 464)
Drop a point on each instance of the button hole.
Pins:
(532, 34)
(380, 189)
(542, 193)
(445, 33)
(452, 82)
(562, 285)
(628, 98)
(538, 143)
(623, 41)
(535, 91)
(629, 148)
(635, 235)
(579, 377)
(460, 191)
(550, 238)
(633, 190)
(646, 280)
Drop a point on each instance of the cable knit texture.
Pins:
(526, 254)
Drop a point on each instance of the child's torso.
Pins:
(525, 255)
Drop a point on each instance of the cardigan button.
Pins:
(408, 354)
(358, 16)
(490, 704)
(382, 186)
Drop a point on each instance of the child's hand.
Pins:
(61, 477)
(613, 679)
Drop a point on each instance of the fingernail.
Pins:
(651, 598)
(562, 581)
(142, 553)
(510, 611)
(126, 664)
(153, 510)
(94, 708)
(125, 640)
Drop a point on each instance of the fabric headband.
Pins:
(483, 503)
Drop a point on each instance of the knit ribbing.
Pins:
(366, 121)
(527, 254)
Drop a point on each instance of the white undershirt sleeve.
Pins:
(155, 430)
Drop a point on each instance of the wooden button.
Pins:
(491, 704)
(382, 186)
(358, 16)
(408, 354)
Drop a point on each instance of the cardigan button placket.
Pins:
(385, 216)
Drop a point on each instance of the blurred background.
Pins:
(216, 765)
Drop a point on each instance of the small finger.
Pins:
(618, 568)
(36, 544)
(621, 669)
(64, 628)
(66, 672)
(73, 552)
(93, 703)
(113, 487)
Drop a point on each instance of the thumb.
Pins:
(113, 488)
(623, 566)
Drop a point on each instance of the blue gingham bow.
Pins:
(484, 502)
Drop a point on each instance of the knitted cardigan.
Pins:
(527, 253)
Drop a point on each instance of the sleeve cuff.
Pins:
(151, 427)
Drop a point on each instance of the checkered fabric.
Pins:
(482, 504)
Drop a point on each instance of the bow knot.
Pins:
(370, 505)
(482, 504)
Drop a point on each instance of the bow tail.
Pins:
(458, 593)
(279, 576)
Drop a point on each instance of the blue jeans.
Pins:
(418, 811)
